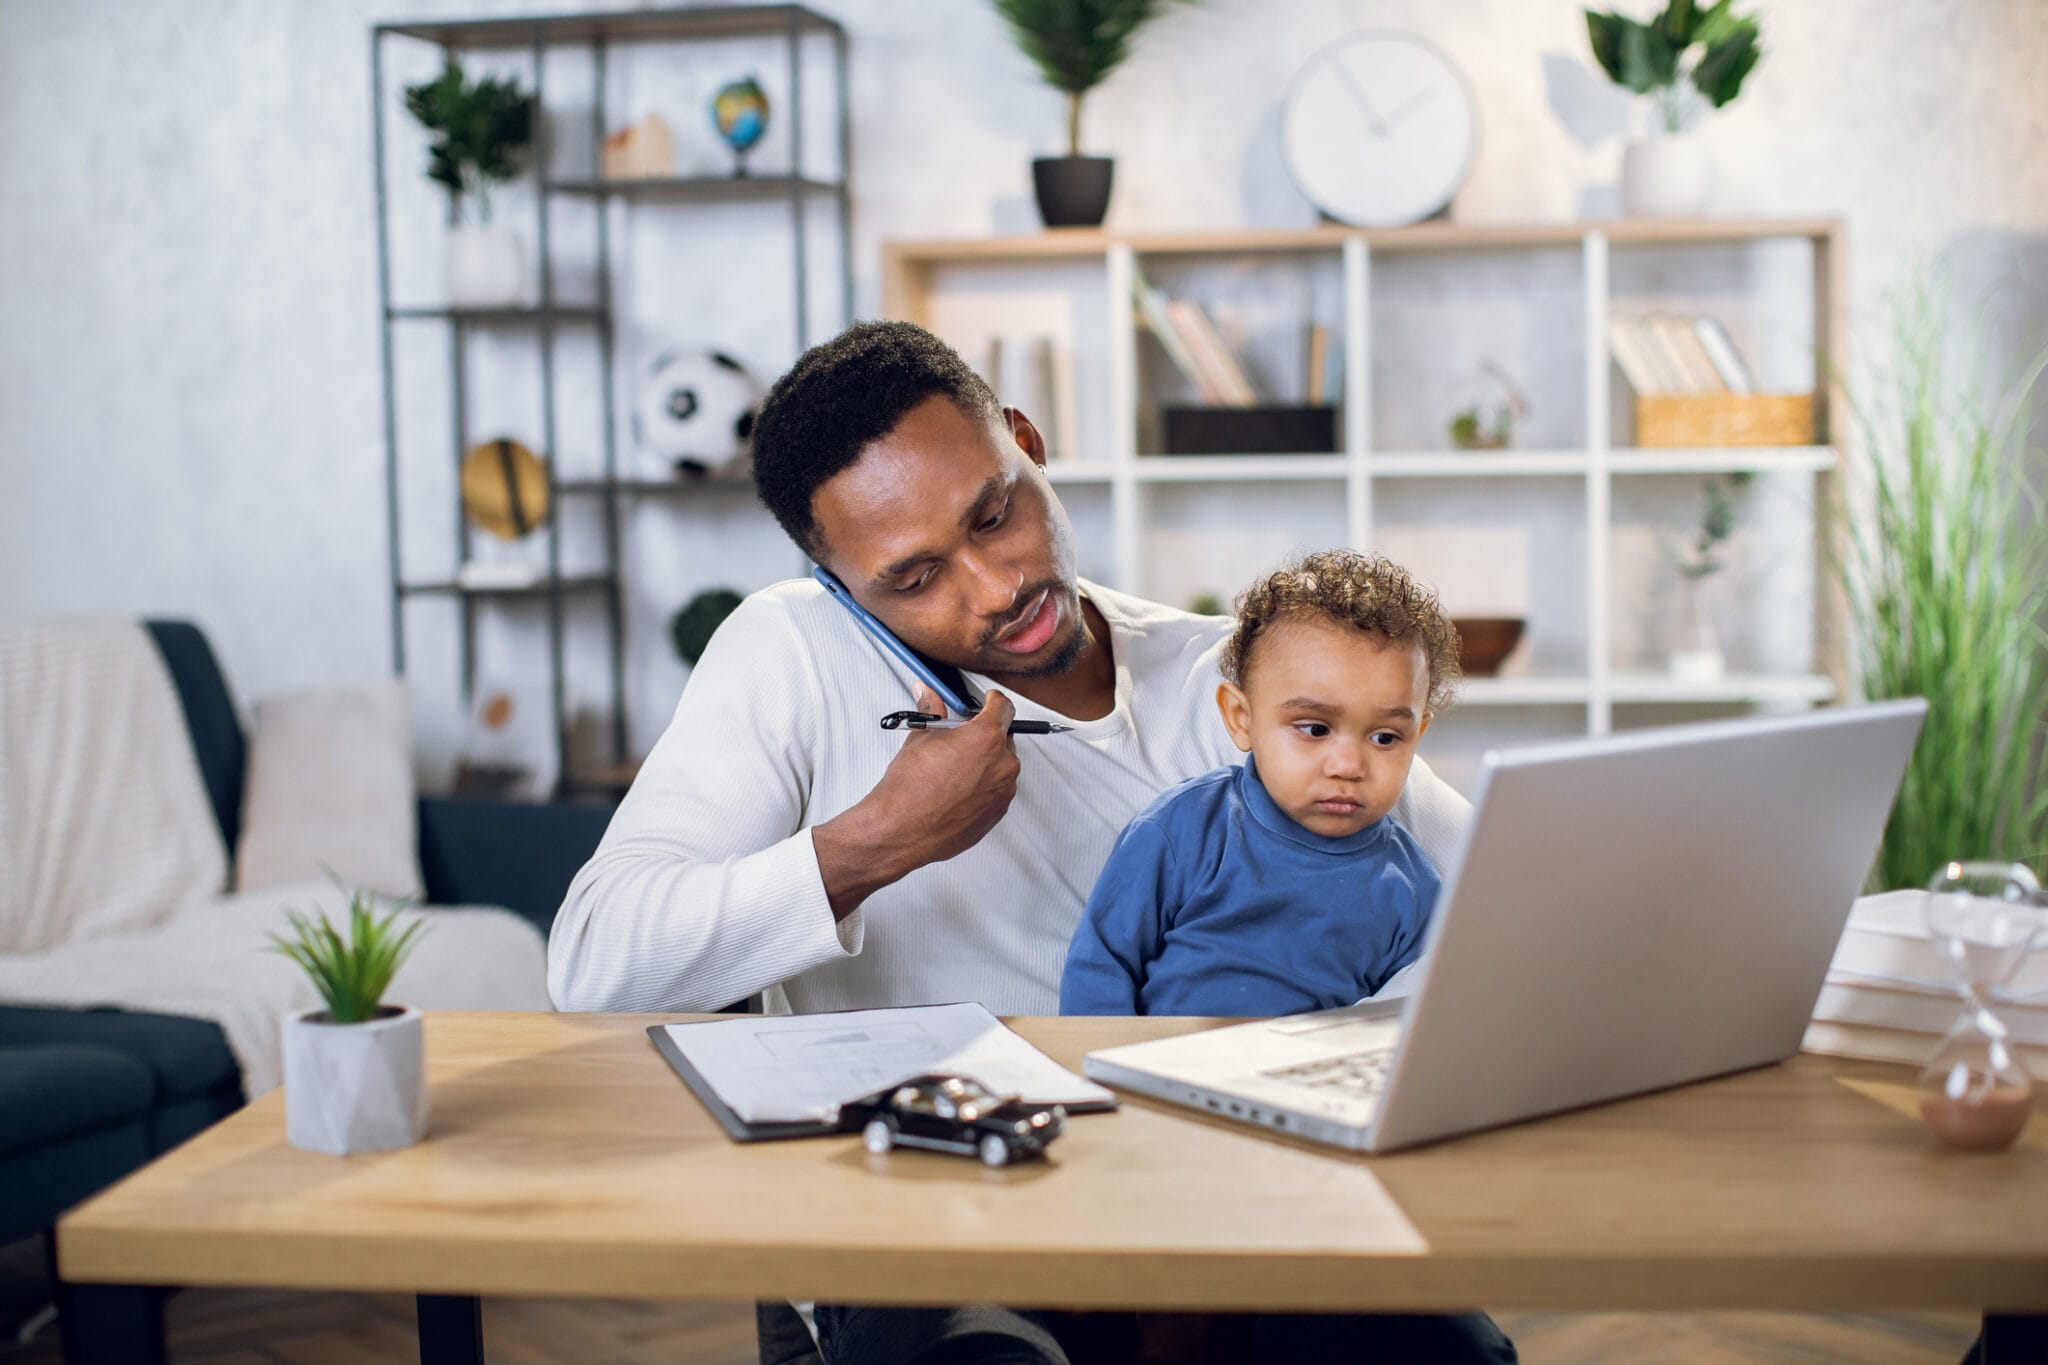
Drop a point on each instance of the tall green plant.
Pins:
(351, 975)
(1711, 50)
(1076, 43)
(482, 131)
(1947, 575)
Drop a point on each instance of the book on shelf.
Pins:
(1662, 355)
(1316, 364)
(1631, 352)
(992, 364)
(1049, 393)
(1035, 374)
(1153, 312)
(1720, 349)
(1211, 354)
(1684, 343)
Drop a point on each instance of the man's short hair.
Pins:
(840, 396)
(1369, 592)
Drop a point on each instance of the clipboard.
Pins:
(981, 1046)
(736, 1128)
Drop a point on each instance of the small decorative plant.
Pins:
(1696, 653)
(482, 132)
(350, 975)
(1705, 546)
(1076, 43)
(1682, 56)
(1470, 428)
(1206, 604)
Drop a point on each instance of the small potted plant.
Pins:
(1075, 44)
(355, 1070)
(1474, 427)
(482, 133)
(1696, 654)
(1683, 60)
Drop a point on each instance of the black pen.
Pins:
(924, 720)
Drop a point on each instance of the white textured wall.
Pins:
(188, 342)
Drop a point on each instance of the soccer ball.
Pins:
(695, 415)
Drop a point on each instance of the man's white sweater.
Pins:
(706, 887)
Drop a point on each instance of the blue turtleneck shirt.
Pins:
(1215, 902)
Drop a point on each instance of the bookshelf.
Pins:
(1591, 678)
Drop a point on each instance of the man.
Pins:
(778, 839)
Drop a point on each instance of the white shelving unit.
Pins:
(920, 276)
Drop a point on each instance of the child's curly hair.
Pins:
(1370, 592)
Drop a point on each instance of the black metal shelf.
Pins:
(560, 312)
(704, 21)
(653, 488)
(793, 27)
(700, 189)
(540, 587)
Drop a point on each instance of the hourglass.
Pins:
(1983, 919)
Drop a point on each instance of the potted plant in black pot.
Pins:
(1075, 44)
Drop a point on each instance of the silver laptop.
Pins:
(1624, 914)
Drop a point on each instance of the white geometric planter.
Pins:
(486, 268)
(354, 1087)
(1667, 177)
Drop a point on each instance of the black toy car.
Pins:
(953, 1114)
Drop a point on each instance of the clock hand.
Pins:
(1407, 107)
(1379, 125)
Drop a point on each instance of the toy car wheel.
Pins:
(878, 1136)
(994, 1151)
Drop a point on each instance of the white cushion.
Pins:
(330, 791)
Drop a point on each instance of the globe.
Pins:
(740, 113)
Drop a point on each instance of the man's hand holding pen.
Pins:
(945, 788)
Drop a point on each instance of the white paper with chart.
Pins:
(799, 1068)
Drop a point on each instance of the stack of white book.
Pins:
(1889, 997)
(1662, 354)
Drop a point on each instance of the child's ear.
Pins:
(1427, 717)
(1237, 715)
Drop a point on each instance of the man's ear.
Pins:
(1237, 715)
(1027, 437)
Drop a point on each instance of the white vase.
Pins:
(354, 1087)
(486, 268)
(1667, 177)
(1696, 653)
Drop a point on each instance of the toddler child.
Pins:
(1283, 885)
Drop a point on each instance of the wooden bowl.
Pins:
(1484, 642)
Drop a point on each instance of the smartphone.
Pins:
(945, 680)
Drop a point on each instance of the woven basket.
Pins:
(1724, 419)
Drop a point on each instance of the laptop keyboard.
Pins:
(1363, 1074)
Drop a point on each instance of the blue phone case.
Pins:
(954, 692)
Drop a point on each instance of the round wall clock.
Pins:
(1379, 129)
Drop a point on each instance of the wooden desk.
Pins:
(564, 1158)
